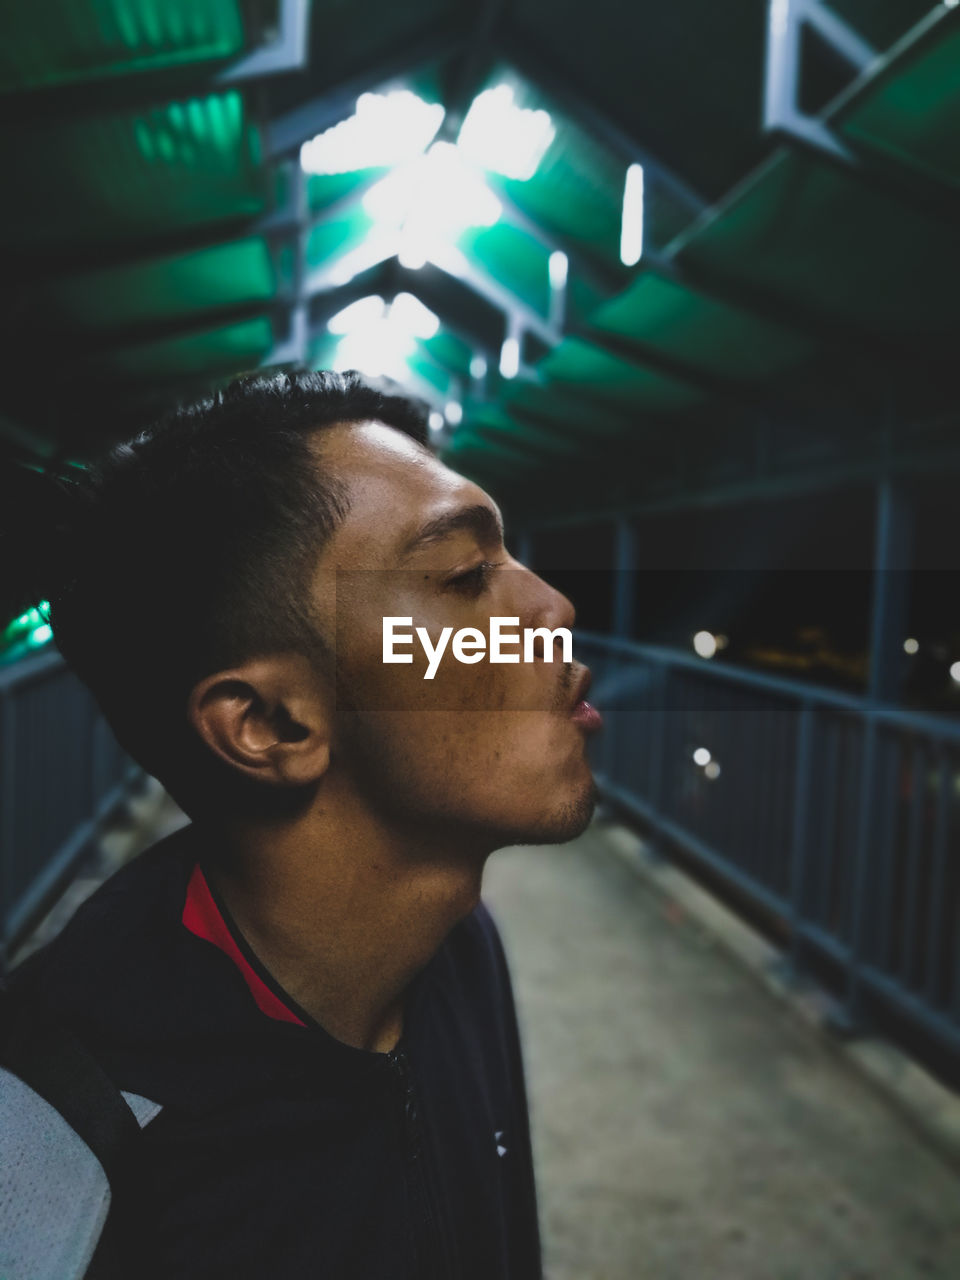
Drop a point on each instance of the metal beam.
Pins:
(288, 51)
(786, 20)
(479, 51)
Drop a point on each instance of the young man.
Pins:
(301, 993)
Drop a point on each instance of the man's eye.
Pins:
(474, 580)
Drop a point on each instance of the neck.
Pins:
(344, 908)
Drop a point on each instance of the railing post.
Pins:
(893, 556)
(624, 603)
(893, 559)
(625, 557)
(800, 833)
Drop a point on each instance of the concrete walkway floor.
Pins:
(686, 1125)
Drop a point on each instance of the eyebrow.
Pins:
(479, 519)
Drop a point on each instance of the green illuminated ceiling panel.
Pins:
(804, 231)
(690, 326)
(164, 289)
(70, 41)
(910, 111)
(514, 258)
(327, 189)
(611, 380)
(451, 351)
(227, 348)
(335, 236)
(158, 170)
(435, 375)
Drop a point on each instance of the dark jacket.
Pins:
(279, 1151)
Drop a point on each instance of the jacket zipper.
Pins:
(427, 1234)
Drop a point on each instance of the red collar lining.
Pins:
(203, 918)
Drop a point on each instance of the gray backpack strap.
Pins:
(54, 1194)
(65, 1131)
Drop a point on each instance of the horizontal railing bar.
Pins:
(914, 721)
(765, 898)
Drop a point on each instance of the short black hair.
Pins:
(188, 548)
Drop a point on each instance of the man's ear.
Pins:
(268, 718)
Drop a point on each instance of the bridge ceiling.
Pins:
(564, 227)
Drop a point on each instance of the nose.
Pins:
(545, 605)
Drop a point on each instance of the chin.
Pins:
(570, 819)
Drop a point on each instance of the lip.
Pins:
(584, 713)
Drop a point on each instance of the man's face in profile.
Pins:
(487, 751)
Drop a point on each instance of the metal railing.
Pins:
(61, 772)
(833, 815)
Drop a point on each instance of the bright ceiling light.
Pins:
(362, 312)
(453, 412)
(380, 349)
(955, 673)
(500, 136)
(378, 339)
(431, 201)
(631, 225)
(510, 358)
(911, 646)
(702, 756)
(413, 317)
(387, 129)
(435, 420)
(558, 266)
(478, 367)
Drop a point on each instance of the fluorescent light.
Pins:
(386, 129)
(413, 317)
(454, 412)
(955, 672)
(558, 267)
(500, 136)
(510, 358)
(430, 202)
(911, 646)
(435, 420)
(702, 756)
(362, 312)
(631, 226)
(478, 367)
(380, 349)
